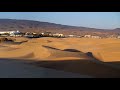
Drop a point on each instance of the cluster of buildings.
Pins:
(92, 36)
(11, 33)
(99, 37)
(48, 34)
(29, 34)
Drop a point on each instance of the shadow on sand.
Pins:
(85, 67)
(94, 67)
(50, 47)
(13, 43)
(71, 50)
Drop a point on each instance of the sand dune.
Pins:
(57, 54)
(85, 67)
(93, 57)
(103, 49)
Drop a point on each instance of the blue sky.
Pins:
(103, 20)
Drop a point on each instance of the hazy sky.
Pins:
(105, 20)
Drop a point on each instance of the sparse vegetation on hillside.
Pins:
(39, 27)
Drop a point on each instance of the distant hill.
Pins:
(38, 26)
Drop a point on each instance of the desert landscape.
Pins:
(38, 49)
(93, 57)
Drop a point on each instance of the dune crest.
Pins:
(52, 48)
(93, 57)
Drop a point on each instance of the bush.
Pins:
(6, 39)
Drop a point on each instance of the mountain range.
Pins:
(38, 26)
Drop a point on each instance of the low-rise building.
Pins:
(71, 35)
(31, 35)
(87, 36)
(95, 37)
(118, 37)
(58, 35)
(10, 33)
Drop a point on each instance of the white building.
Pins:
(71, 35)
(87, 36)
(42, 33)
(9, 32)
(118, 37)
(95, 37)
(12, 33)
(58, 35)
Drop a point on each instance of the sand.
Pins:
(94, 57)
(12, 68)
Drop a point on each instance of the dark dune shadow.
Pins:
(19, 59)
(90, 54)
(10, 42)
(24, 41)
(117, 63)
(85, 67)
(13, 43)
(71, 50)
(50, 47)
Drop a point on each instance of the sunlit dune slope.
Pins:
(106, 50)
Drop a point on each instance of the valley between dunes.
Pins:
(93, 57)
